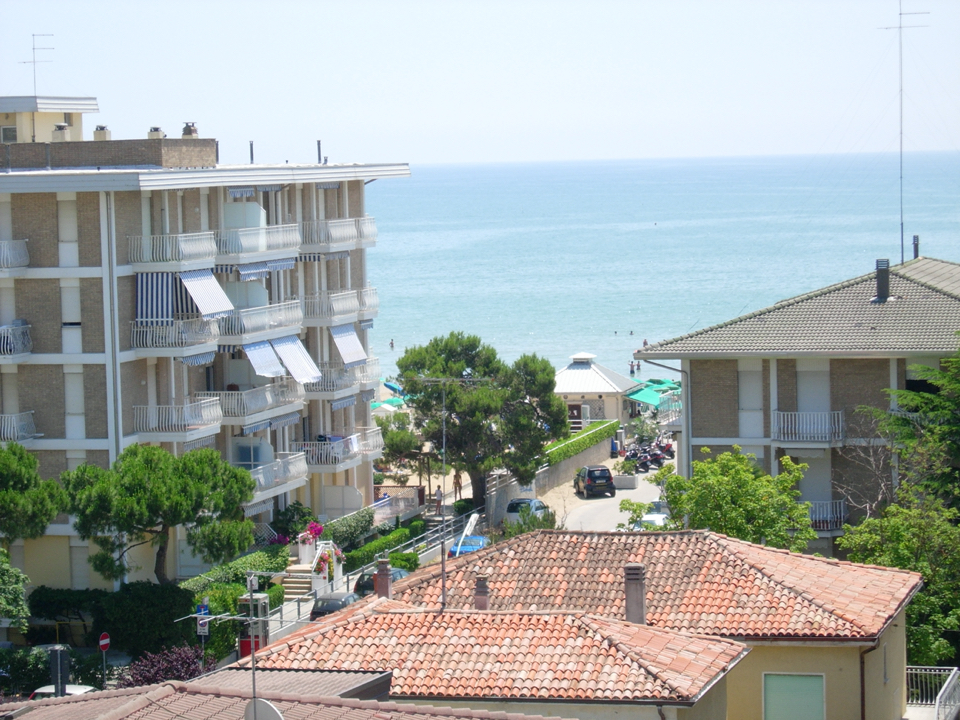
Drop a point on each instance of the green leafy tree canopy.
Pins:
(27, 503)
(147, 493)
(729, 494)
(12, 603)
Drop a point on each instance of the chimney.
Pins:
(883, 280)
(382, 582)
(916, 246)
(156, 134)
(481, 597)
(189, 131)
(101, 133)
(61, 132)
(635, 593)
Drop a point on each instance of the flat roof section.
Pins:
(48, 103)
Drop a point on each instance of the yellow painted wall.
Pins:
(46, 561)
(97, 581)
(886, 693)
(145, 556)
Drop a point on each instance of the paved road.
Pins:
(596, 513)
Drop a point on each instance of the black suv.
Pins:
(326, 604)
(593, 480)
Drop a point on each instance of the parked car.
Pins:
(537, 508)
(593, 480)
(326, 604)
(655, 517)
(48, 691)
(469, 544)
(364, 584)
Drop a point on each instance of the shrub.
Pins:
(273, 558)
(417, 528)
(348, 531)
(88, 669)
(23, 670)
(408, 561)
(528, 521)
(176, 663)
(368, 553)
(292, 520)
(378, 478)
(463, 507)
(140, 617)
(276, 594)
(585, 439)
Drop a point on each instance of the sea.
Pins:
(559, 258)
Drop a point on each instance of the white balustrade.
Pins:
(333, 377)
(177, 418)
(330, 452)
(828, 514)
(13, 254)
(808, 426)
(172, 248)
(175, 334)
(244, 321)
(371, 440)
(15, 339)
(332, 235)
(286, 467)
(369, 301)
(18, 427)
(262, 239)
(369, 372)
(242, 403)
(326, 304)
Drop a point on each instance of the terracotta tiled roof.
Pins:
(326, 684)
(697, 581)
(467, 654)
(172, 699)
(921, 316)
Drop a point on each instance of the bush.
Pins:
(292, 520)
(417, 528)
(463, 507)
(140, 617)
(175, 663)
(408, 561)
(273, 558)
(378, 478)
(88, 669)
(23, 670)
(368, 553)
(528, 521)
(585, 439)
(276, 594)
(348, 531)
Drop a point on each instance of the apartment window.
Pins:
(793, 697)
(8, 134)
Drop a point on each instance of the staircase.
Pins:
(294, 587)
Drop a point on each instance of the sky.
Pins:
(489, 81)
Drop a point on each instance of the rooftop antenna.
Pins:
(33, 136)
(900, 27)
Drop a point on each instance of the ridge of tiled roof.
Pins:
(490, 655)
(697, 581)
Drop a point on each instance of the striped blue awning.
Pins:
(366, 396)
(228, 348)
(284, 420)
(311, 257)
(255, 427)
(268, 188)
(349, 345)
(241, 192)
(343, 402)
(198, 360)
(296, 359)
(264, 360)
(155, 294)
(328, 186)
(366, 324)
(253, 271)
(283, 264)
(208, 441)
(206, 292)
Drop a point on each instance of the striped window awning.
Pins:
(366, 324)
(258, 507)
(366, 396)
(198, 360)
(349, 345)
(208, 441)
(253, 271)
(311, 257)
(268, 188)
(155, 292)
(328, 186)
(296, 359)
(284, 420)
(343, 255)
(264, 360)
(283, 264)
(343, 403)
(206, 292)
(241, 192)
(255, 427)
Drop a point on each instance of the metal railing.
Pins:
(369, 300)
(326, 304)
(948, 699)
(242, 403)
(286, 467)
(172, 248)
(371, 440)
(14, 254)
(260, 239)
(333, 377)
(244, 321)
(263, 534)
(175, 334)
(670, 407)
(177, 418)
(14, 428)
(330, 452)
(15, 339)
(828, 514)
(367, 373)
(936, 687)
(808, 426)
(329, 235)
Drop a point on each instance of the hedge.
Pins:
(463, 507)
(585, 439)
(273, 558)
(408, 561)
(417, 528)
(347, 531)
(367, 554)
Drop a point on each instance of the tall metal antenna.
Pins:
(900, 27)
(35, 61)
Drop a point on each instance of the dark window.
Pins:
(922, 386)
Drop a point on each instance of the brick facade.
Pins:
(95, 400)
(38, 302)
(128, 222)
(787, 385)
(858, 382)
(126, 308)
(52, 462)
(91, 313)
(191, 210)
(171, 153)
(41, 389)
(88, 226)
(133, 389)
(714, 398)
(34, 218)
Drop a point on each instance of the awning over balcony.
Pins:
(349, 345)
(366, 324)
(285, 420)
(282, 264)
(255, 427)
(206, 292)
(296, 359)
(241, 192)
(198, 360)
(155, 298)
(257, 508)
(268, 188)
(264, 360)
(343, 402)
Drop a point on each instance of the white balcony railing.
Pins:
(177, 418)
(172, 248)
(177, 334)
(330, 452)
(371, 440)
(326, 304)
(369, 301)
(16, 428)
(369, 372)
(15, 339)
(244, 321)
(828, 514)
(670, 407)
(13, 254)
(933, 687)
(286, 467)
(333, 378)
(243, 403)
(808, 426)
(331, 235)
(253, 240)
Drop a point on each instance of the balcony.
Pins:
(371, 443)
(331, 455)
(336, 382)
(328, 236)
(287, 472)
(18, 428)
(259, 244)
(368, 374)
(177, 423)
(259, 405)
(828, 516)
(13, 257)
(369, 303)
(178, 338)
(172, 253)
(325, 308)
(15, 342)
(808, 427)
(268, 322)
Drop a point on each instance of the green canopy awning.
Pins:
(645, 395)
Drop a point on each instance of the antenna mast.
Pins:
(33, 115)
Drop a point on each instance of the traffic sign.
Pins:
(104, 642)
(203, 625)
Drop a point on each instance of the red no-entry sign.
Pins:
(104, 642)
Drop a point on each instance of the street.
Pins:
(599, 512)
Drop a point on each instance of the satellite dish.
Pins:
(260, 709)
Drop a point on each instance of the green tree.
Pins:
(147, 493)
(917, 533)
(399, 441)
(527, 522)
(637, 510)
(12, 603)
(729, 494)
(27, 503)
(497, 416)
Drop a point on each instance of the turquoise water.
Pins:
(560, 258)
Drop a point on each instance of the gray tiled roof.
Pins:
(921, 317)
(589, 377)
(329, 683)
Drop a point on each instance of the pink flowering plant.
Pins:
(312, 533)
(324, 559)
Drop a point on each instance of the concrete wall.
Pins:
(884, 672)
(714, 398)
